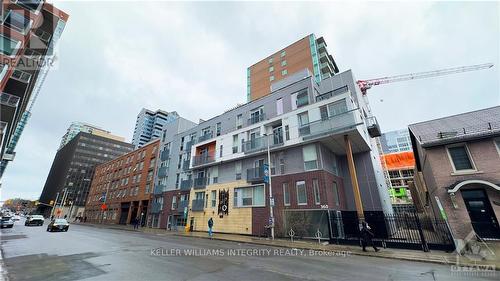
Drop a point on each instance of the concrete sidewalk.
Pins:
(401, 254)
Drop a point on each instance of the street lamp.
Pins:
(271, 199)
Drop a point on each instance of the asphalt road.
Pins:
(90, 253)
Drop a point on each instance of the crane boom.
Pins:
(367, 84)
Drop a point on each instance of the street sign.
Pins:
(59, 211)
(103, 206)
(266, 173)
(271, 201)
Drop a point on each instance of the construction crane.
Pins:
(364, 85)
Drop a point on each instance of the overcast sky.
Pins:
(118, 57)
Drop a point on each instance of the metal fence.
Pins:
(406, 230)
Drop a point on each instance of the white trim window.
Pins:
(286, 194)
(310, 157)
(251, 196)
(214, 198)
(301, 193)
(317, 196)
(460, 158)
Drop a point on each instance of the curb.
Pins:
(367, 254)
(443, 261)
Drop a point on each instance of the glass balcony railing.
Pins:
(186, 184)
(331, 125)
(256, 119)
(181, 205)
(333, 93)
(156, 207)
(162, 172)
(158, 189)
(200, 183)
(254, 145)
(185, 165)
(164, 154)
(255, 175)
(198, 205)
(203, 159)
(206, 136)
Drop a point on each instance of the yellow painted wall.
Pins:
(239, 220)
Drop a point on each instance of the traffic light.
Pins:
(36, 203)
(51, 202)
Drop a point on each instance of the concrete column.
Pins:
(354, 179)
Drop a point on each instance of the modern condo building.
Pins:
(150, 124)
(29, 32)
(307, 53)
(313, 131)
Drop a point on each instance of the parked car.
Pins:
(6, 222)
(16, 217)
(34, 220)
(58, 225)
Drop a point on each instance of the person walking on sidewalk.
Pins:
(136, 223)
(366, 237)
(210, 225)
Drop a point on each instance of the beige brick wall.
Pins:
(238, 220)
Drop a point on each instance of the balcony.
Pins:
(185, 165)
(158, 189)
(255, 175)
(203, 159)
(206, 136)
(162, 172)
(333, 93)
(254, 145)
(256, 119)
(186, 184)
(181, 205)
(9, 100)
(198, 205)
(165, 154)
(326, 68)
(322, 47)
(156, 207)
(373, 127)
(189, 144)
(200, 183)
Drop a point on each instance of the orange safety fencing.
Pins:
(399, 160)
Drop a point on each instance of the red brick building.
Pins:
(124, 186)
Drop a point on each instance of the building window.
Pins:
(283, 63)
(310, 157)
(237, 168)
(284, 72)
(301, 193)
(286, 194)
(271, 78)
(174, 203)
(17, 21)
(218, 129)
(252, 196)
(220, 151)
(497, 142)
(235, 143)
(460, 158)
(271, 68)
(279, 106)
(283, 54)
(336, 196)
(214, 198)
(337, 107)
(270, 60)
(239, 121)
(8, 46)
(287, 132)
(302, 98)
(317, 198)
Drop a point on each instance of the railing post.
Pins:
(425, 247)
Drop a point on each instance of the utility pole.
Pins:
(271, 199)
(64, 198)
(54, 205)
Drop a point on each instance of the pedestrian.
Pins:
(136, 223)
(210, 225)
(85, 219)
(366, 237)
